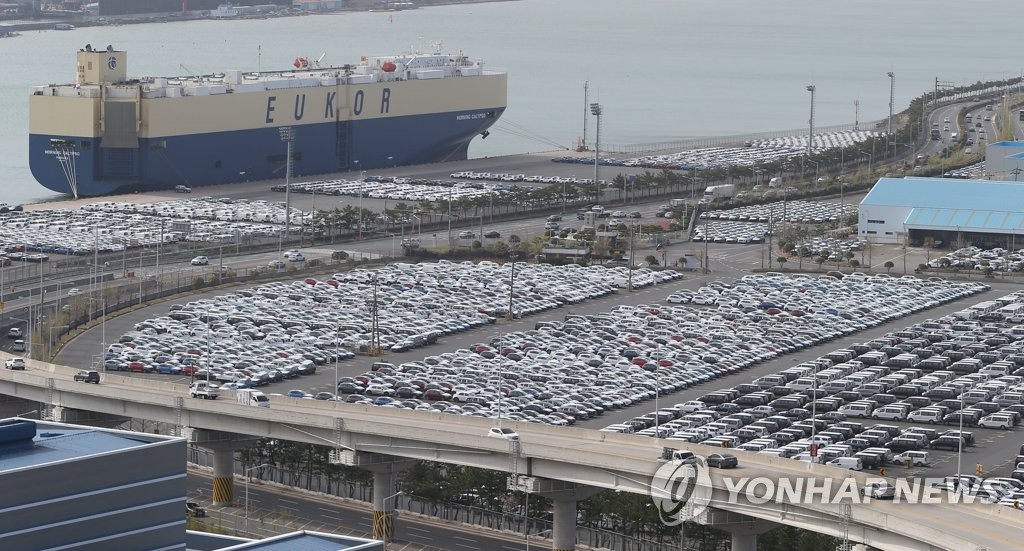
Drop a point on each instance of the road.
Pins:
(274, 508)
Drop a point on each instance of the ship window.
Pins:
(90, 65)
(216, 164)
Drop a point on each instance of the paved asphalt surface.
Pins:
(995, 449)
(274, 508)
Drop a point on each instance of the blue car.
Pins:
(296, 394)
(168, 369)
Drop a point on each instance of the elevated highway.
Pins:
(563, 463)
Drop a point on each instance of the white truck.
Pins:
(677, 202)
(204, 390)
(253, 398)
(720, 192)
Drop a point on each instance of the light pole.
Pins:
(892, 91)
(103, 330)
(511, 285)
(288, 137)
(810, 132)
(595, 109)
(247, 471)
(49, 340)
(842, 188)
(384, 505)
(450, 219)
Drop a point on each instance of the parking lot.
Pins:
(589, 367)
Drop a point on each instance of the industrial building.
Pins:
(943, 212)
(1005, 161)
(71, 486)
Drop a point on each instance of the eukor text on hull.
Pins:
(110, 133)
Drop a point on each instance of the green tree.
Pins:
(854, 263)
(823, 258)
(781, 260)
(651, 260)
(889, 265)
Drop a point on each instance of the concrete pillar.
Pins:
(383, 512)
(224, 476)
(744, 542)
(563, 496)
(223, 446)
(742, 528)
(563, 533)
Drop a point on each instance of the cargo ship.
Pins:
(107, 133)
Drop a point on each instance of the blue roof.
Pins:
(967, 220)
(302, 541)
(947, 193)
(60, 442)
(1007, 143)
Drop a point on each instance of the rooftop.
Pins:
(947, 193)
(302, 540)
(26, 443)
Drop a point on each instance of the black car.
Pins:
(722, 460)
(947, 442)
(492, 234)
(87, 376)
(193, 509)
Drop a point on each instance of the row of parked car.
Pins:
(281, 326)
(579, 368)
(114, 227)
(805, 212)
(950, 370)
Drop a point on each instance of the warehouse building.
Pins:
(72, 486)
(1005, 161)
(943, 212)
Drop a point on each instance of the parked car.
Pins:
(200, 261)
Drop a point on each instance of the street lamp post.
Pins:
(247, 471)
(810, 132)
(49, 340)
(595, 109)
(892, 91)
(511, 285)
(384, 505)
(288, 137)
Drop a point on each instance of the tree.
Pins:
(821, 260)
(854, 263)
(781, 260)
(888, 265)
(651, 260)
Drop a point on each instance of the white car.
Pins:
(74, 292)
(503, 433)
(200, 261)
(916, 458)
(996, 421)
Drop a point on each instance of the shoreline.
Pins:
(87, 20)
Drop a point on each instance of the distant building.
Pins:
(70, 486)
(318, 5)
(1005, 161)
(943, 212)
(131, 7)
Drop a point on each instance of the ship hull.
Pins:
(112, 134)
(218, 158)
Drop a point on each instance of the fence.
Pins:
(537, 528)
